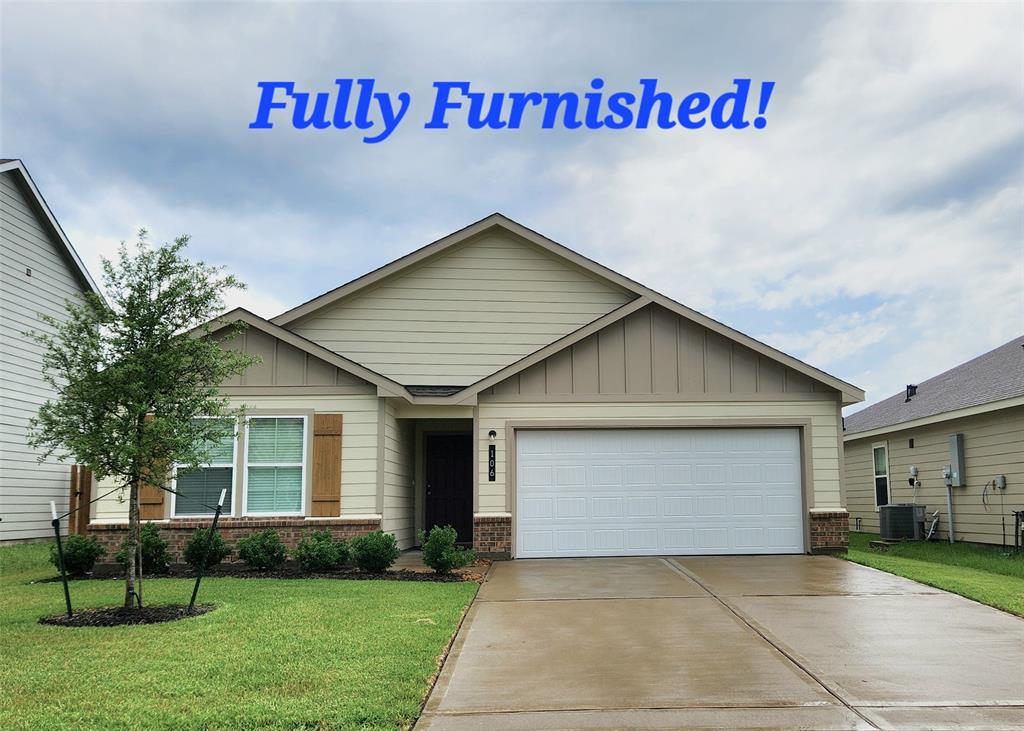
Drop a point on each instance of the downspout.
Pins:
(949, 509)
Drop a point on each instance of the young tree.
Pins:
(132, 376)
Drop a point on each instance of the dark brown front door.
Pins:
(449, 489)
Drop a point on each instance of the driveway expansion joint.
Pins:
(770, 639)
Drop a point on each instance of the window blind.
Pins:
(200, 488)
(275, 460)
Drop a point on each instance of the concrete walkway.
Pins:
(725, 642)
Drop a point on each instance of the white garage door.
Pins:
(620, 492)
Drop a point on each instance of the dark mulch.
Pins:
(291, 570)
(117, 616)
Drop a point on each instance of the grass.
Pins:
(296, 654)
(986, 574)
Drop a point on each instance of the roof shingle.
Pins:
(993, 376)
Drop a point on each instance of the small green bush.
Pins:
(80, 554)
(374, 552)
(262, 550)
(440, 552)
(320, 552)
(196, 547)
(155, 558)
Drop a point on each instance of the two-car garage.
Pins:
(658, 491)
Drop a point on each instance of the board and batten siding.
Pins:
(464, 314)
(283, 365)
(26, 485)
(993, 445)
(358, 449)
(655, 351)
(399, 512)
(823, 416)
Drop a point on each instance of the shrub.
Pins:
(196, 547)
(374, 552)
(320, 552)
(155, 558)
(262, 550)
(440, 552)
(80, 554)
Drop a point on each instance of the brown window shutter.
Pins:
(326, 465)
(151, 502)
(151, 499)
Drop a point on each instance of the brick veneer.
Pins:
(830, 531)
(492, 536)
(291, 530)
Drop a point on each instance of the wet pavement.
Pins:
(756, 642)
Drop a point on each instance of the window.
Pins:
(199, 490)
(881, 460)
(275, 469)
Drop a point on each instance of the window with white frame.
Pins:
(880, 453)
(275, 465)
(197, 491)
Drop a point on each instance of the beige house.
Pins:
(982, 401)
(540, 403)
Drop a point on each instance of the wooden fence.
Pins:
(81, 494)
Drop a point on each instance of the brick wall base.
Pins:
(830, 531)
(492, 536)
(291, 530)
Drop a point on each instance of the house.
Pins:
(538, 402)
(981, 400)
(39, 270)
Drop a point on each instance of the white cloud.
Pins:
(873, 228)
(821, 210)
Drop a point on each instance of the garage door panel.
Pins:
(658, 491)
(675, 474)
(608, 507)
(571, 507)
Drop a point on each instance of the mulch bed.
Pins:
(291, 570)
(117, 616)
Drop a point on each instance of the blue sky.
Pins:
(874, 228)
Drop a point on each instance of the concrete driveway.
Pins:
(725, 642)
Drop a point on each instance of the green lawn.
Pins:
(296, 654)
(986, 574)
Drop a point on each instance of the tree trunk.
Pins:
(131, 550)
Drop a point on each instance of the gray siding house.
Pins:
(39, 270)
(983, 401)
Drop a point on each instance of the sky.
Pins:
(874, 228)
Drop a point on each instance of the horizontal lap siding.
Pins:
(823, 415)
(27, 486)
(463, 315)
(399, 492)
(993, 445)
(358, 448)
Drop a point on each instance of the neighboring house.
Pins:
(39, 270)
(538, 402)
(983, 400)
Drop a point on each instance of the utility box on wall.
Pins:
(956, 460)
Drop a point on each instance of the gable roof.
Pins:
(992, 377)
(28, 186)
(385, 386)
(850, 393)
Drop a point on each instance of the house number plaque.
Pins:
(491, 459)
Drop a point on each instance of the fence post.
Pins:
(73, 500)
(84, 499)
